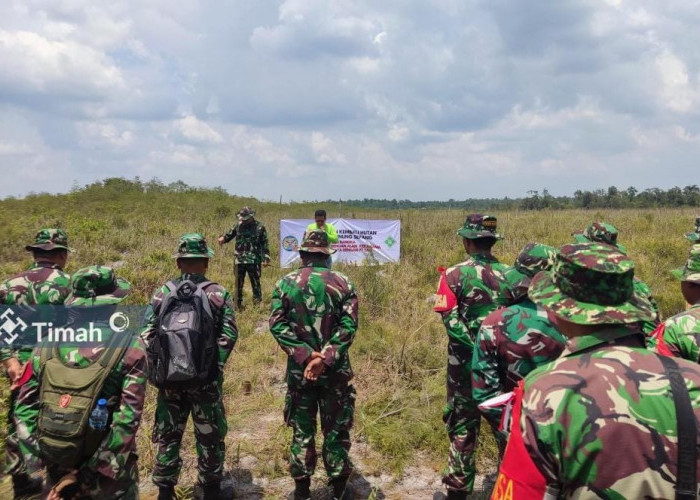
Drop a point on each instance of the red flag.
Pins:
(446, 299)
(660, 343)
(518, 477)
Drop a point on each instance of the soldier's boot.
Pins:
(456, 495)
(302, 489)
(166, 493)
(24, 486)
(211, 491)
(342, 490)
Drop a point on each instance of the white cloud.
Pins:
(194, 131)
(409, 98)
(35, 65)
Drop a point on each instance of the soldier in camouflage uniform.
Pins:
(680, 335)
(314, 319)
(43, 283)
(694, 237)
(112, 471)
(472, 290)
(252, 252)
(602, 232)
(514, 341)
(601, 420)
(204, 403)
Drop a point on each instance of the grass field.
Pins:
(399, 352)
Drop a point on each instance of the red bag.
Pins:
(446, 299)
(518, 477)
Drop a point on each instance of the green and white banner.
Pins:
(360, 241)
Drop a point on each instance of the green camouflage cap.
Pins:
(246, 213)
(316, 242)
(50, 239)
(599, 232)
(193, 246)
(691, 270)
(479, 226)
(695, 236)
(591, 284)
(533, 258)
(95, 286)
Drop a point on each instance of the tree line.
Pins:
(612, 197)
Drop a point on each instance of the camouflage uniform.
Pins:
(112, 471)
(600, 421)
(43, 283)
(314, 310)
(679, 336)
(694, 237)
(204, 403)
(251, 251)
(514, 341)
(479, 286)
(602, 232)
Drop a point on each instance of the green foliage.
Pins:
(399, 356)
(611, 197)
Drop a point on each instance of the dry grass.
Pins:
(399, 352)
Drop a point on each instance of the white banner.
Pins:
(360, 241)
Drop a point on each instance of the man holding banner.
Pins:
(320, 224)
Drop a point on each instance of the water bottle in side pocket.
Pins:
(99, 416)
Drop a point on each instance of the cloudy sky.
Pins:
(317, 99)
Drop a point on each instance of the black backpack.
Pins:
(184, 351)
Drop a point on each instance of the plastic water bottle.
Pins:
(99, 416)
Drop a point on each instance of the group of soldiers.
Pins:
(563, 354)
(314, 319)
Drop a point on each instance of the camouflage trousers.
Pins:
(125, 487)
(462, 419)
(336, 405)
(210, 427)
(20, 447)
(253, 271)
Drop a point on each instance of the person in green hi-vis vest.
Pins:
(321, 224)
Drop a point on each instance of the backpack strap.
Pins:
(205, 303)
(686, 476)
(172, 290)
(115, 350)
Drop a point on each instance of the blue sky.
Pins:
(316, 99)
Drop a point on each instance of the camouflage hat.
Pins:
(591, 284)
(50, 239)
(193, 246)
(533, 258)
(245, 213)
(479, 226)
(97, 285)
(316, 242)
(691, 270)
(599, 232)
(695, 236)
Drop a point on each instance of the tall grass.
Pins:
(400, 350)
